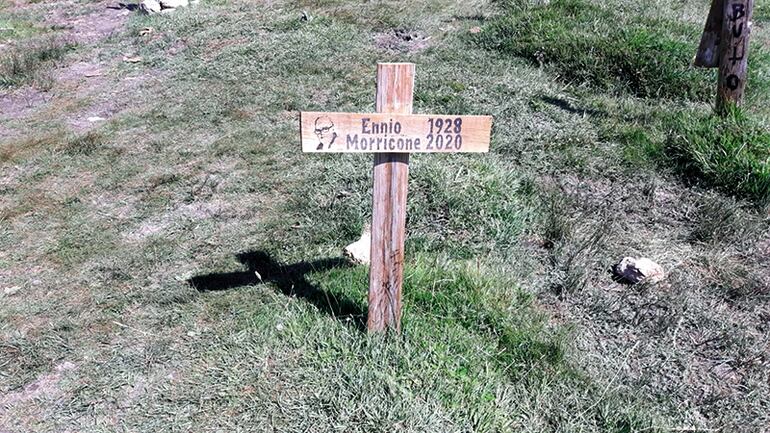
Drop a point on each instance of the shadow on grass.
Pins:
(129, 6)
(290, 280)
(567, 106)
(470, 17)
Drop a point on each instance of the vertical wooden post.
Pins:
(395, 86)
(707, 55)
(733, 53)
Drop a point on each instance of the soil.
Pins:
(46, 385)
(402, 41)
(82, 80)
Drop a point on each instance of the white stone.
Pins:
(172, 4)
(11, 290)
(358, 251)
(150, 6)
(635, 271)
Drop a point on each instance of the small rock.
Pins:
(150, 6)
(96, 119)
(173, 4)
(634, 271)
(11, 290)
(132, 59)
(358, 252)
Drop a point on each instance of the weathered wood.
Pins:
(708, 50)
(393, 133)
(395, 86)
(734, 53)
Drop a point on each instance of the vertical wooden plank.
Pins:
(395, 86)
(734, 53)
(708, 51)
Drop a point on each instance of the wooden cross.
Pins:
(392, 133)
(725, 45)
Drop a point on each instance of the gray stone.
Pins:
(8, 291)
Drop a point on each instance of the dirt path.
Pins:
(84, 88)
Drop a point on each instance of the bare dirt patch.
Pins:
(20, 103)
(46, 385)
(159, 224)
(108, 96)
(78, 81)
(98, 22)
(402, 41)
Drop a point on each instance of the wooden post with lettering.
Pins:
(391, 134)
(734, 53)
(395, 87)
(725, 45)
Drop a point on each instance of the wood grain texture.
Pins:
(734, 53)
(708, 50)
(393, 133)
(395, 86)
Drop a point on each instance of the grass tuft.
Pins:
(719, 219)
(85, 144)
(26, 62)
(733, 279)
(610, 50)
(761, 12)
(14, 150)
(731, 153)
(489, 306)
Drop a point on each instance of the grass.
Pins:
(587, 43)
(761, 12)
(732, 153)
(16, 29)
(27, 62)
(179, 263)
(726, 152)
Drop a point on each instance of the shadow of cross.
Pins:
(291, 280)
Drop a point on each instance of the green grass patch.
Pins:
(441, 293)
(11, 29)
(25, 62)
(608, 49)
(470, 337)
(761, 12)
(446, 294)
(486, 305)
(731, 153)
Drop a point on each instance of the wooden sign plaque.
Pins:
(393, 133)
